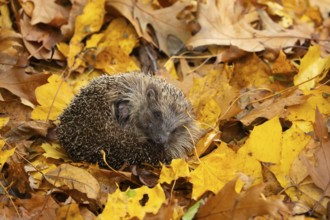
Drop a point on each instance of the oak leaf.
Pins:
(164, 22)
(230, 23)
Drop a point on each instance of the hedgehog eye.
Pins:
(157, 114)
(175, 130)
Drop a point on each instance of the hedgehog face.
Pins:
(163, 124)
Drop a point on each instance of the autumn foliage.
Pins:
(256, 73)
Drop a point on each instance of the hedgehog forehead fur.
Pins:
(169, 100)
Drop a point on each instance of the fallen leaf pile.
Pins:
(256, 73)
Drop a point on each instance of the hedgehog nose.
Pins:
(161, 139)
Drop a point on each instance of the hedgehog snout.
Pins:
(161, 138)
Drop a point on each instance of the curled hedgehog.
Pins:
(133, 117)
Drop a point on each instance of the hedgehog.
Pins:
(133, 117)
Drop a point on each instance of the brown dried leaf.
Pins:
(72, 177)
(17, 81)
(76, 9)
(38, 207)
(230, 23)
(227, 204)
(40, 41)
(320, 173)
(26, 130)
(164, 21)
(277, 106)
(49, 13)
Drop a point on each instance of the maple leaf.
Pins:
(178, 168)
(130, 203)
(230, 23)
(208, 177)
(227, 204)
(53, 97)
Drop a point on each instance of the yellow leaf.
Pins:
(211, 96)
(54, 151)
(63, 48)
(219, 167)
(250, 72)
(170, 67)
(178, 168)
(88, 22)
(114, 60)
(53, 97)
(279, 10)
(37, 169)
(126, 205)
(210, 112)
(311, 65)
(114, 46)
(75, 178)
(5, 21)
(264, 143)
(294, 140)
(203, 144)
(4, 155)
(306, 111)
(69, 212)
(3, 122)
(82, 80)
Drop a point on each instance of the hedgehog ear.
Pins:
(152, 94)
(122, 112)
